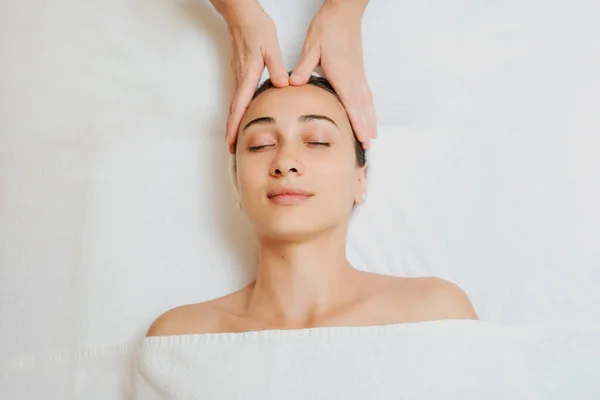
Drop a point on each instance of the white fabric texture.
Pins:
(432, 360)
(429, 360)
(115, 201)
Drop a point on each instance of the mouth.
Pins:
(286, 196)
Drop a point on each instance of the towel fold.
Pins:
(428, 360)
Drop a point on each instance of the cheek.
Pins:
(337, 163)
(337, 179)
(250, 178)
(246, 182)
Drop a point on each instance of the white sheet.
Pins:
(114, 199)
(432, 360)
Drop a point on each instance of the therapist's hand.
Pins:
(334, 42)
(254, 45)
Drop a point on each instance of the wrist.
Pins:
(234, 10)
(350, 7)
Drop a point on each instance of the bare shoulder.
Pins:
(207, 317)
(449, 299)
(187, 319)
(445, 300)
(432, 298)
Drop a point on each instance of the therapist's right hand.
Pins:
(254, 45)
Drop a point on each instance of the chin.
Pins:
(290, 229)
(295, 224)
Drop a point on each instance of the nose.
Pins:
(286, 163)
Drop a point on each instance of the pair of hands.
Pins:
(333, 41)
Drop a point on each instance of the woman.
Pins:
(300, 171)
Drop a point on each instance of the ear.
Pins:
(361, 187)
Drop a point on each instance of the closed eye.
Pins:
(320, 144)
(258, 148)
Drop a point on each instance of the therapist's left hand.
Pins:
(334, 42)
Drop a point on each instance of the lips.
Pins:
(287, 192)
(288, 196)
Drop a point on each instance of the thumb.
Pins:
(309, 61)
(273, 60)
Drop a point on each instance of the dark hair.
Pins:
(324, 84)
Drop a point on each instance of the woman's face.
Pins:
(297, 173)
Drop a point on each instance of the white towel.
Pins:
(431, 360)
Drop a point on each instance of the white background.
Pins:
(115, 203)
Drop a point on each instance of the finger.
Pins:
(371, 121)
(277, 72)
(360, 110)
(306, 66)
(243, 94)
(368, 118)
(362, 119)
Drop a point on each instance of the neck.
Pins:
(298, 281)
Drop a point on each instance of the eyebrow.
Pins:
(315, 117)
(302, 118)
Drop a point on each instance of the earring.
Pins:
(239, 205)
(364, 197)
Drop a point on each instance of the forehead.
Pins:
(293, 101)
